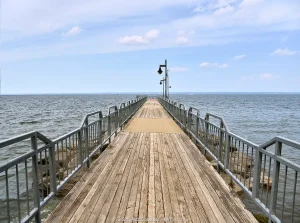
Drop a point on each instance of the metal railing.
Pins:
(267, 173)
(29, 181)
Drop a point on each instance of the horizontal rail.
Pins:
(49, 164)
(15, 139)
(264, 172)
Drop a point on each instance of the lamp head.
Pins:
(160, 83)
(159, 71)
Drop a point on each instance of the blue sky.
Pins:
(96, 46)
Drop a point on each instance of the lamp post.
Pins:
(166, 79)
(162, 83)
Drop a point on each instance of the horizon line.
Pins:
(180, 92)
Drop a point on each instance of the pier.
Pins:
(147, 161)
(151, 172)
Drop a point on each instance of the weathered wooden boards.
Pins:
(151, 110)
(151, 177)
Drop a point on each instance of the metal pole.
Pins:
(36, 194)
(163, 89)
(166, 80)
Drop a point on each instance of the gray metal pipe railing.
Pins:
(51, 163)
(266, 173)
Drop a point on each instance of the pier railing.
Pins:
(28, 182)
(267, 173)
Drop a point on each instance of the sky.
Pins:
(96, 46)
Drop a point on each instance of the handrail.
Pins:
(281, 140)
(52, 164)
(182, 106)
(23, 137)
(83, 122)
(222, 122)
(196, 109)
(114, 108)
(261, 171)
(123, 105)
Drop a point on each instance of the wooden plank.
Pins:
(218, 188)
(112, 183)
(128, 201)
(181, 200)
(83, 212)
(164, 181)
(125, 185)
(189, 185)
(151, 197)
(89, 184)
(117, 188)
(73, 199)
(193, 202)
(159, 206)
(210, 205)
(173, 196)
(143, 207)
(134, 208)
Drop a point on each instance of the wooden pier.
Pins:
(151, 172)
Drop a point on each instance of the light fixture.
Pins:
(159, 71)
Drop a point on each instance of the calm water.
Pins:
(256, 117)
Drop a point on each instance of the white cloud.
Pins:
(251, 16)
(179, 69)
(182, 40)
(212, 65)
(149, 36)
(268, 76)
(56, 16)
(133, 40)
(152, 34)
(225, 10)
(283, 52)
(72, 32)
(238, 57)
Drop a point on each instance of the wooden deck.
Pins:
(155, 175)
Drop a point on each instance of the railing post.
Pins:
(36, 192)
(220, 146)
(189, 120)
(121, 117)
(185, 118)
(52, 168)
(276, 172)
(197, 128)
(109, 127)
(227, 151)
(100, 130)
(87, 147)
(257, 173)
(80, 146)
(116, 121)
(206, 132)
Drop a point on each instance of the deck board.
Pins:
(151, 176)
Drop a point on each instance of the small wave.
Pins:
(29, 122)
